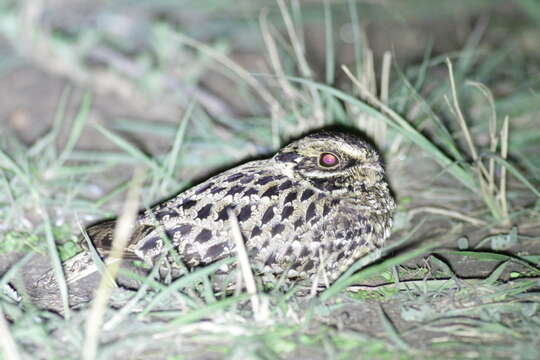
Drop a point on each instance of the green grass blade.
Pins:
(514, 171)
(496, 274)
(344, 281)
(205, 311)
(391, 331)
(130, 149)
(76, 130)
(186, 280)
(172, 157)
(490, 256)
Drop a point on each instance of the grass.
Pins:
(458, 280)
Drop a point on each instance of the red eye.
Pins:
(328, 160)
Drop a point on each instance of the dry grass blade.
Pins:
(492, 127)
(290, 92)
(299, 51)
(367, 86)
(273, 53)
(260, 311)
(494, 198)
(385, 76)
(321, 273)
(504, 155)
(385, 89)
(449, 213)
(121, 236)
(459, 114)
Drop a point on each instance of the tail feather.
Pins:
(82, 265)
(102, 235)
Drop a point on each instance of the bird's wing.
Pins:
(196, 222)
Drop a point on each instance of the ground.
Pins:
(449, 92)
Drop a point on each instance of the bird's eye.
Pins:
(328, 160)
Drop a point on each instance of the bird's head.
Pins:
(332, 162)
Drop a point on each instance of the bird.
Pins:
(317, 206)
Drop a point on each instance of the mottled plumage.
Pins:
(321, 197)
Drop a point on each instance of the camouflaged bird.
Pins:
(320, 203)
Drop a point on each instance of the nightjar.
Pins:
(320, 203)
